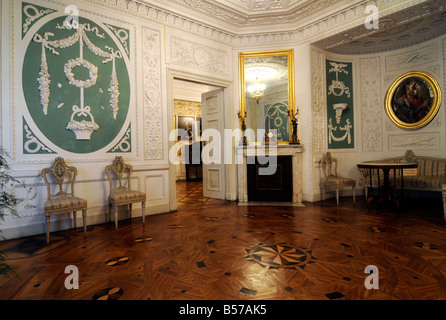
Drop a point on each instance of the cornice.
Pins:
(397, 30)
(305, 23)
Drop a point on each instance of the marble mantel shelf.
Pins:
(295, 151)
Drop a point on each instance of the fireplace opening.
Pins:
(267, 188)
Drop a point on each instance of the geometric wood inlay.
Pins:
(211, 249)
(280, 255)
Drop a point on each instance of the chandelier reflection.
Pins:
(257, 90)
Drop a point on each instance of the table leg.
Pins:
(386, 185)
(394, 189)
(388, 195)
(379, 182)
(370, 198)
(379, 197)
(402, 183)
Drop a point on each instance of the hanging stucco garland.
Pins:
(114, 92)
(337, 87)
(77, 84)
(44, 83)
(83, 128)
(347, 136)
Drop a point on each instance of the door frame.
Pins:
(229, 112)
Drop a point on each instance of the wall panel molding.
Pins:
(371, 104)
(152, 94)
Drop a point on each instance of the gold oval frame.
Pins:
(435, 95)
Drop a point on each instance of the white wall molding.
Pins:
(308, 24)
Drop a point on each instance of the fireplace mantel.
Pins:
(295, 151)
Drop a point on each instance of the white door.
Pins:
(212, 104)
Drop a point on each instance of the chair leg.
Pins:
(74, 220)
(47, 229)
(323, 193)
(143, 213)
(116, 217)
(130, 210)
(109, 212)
(84, 217)
(337, 196)
(354, 191)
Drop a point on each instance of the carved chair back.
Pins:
(329, 165)
(120, 170)
(59, 172)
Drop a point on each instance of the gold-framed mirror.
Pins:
(267, 94)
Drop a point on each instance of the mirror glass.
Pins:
(267, 92)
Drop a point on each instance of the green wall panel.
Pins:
(71, 74)
(340, 120)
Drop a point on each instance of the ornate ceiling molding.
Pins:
(330, 23)
(404, 28)
(257, 12)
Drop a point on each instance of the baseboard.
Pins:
(314, 197)
(96, 216)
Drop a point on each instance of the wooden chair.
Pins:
(62, 202)
(122, 195)
(329, 167)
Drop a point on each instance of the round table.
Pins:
(387, 195)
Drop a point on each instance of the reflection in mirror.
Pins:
(267, 92)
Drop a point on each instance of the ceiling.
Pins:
(239, 16)
(404, 28)
(409, 23)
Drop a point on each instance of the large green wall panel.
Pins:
(340, 111)
(77, 79)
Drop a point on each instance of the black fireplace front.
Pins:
(275, 187)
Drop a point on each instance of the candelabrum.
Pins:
(293, 117)
(242, 118)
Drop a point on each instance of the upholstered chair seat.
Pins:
(119, 197)
(122, 195)
(62, 201)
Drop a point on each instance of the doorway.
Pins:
(187, 98)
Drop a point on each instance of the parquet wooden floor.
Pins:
(216, 250)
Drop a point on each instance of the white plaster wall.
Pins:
(169, 46)
(303, 104)
(1, 68)
(376, 137)
(163, 51)
(149, 157)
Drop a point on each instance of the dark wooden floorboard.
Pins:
(216, 250)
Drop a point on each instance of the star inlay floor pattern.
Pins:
(281, 255)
